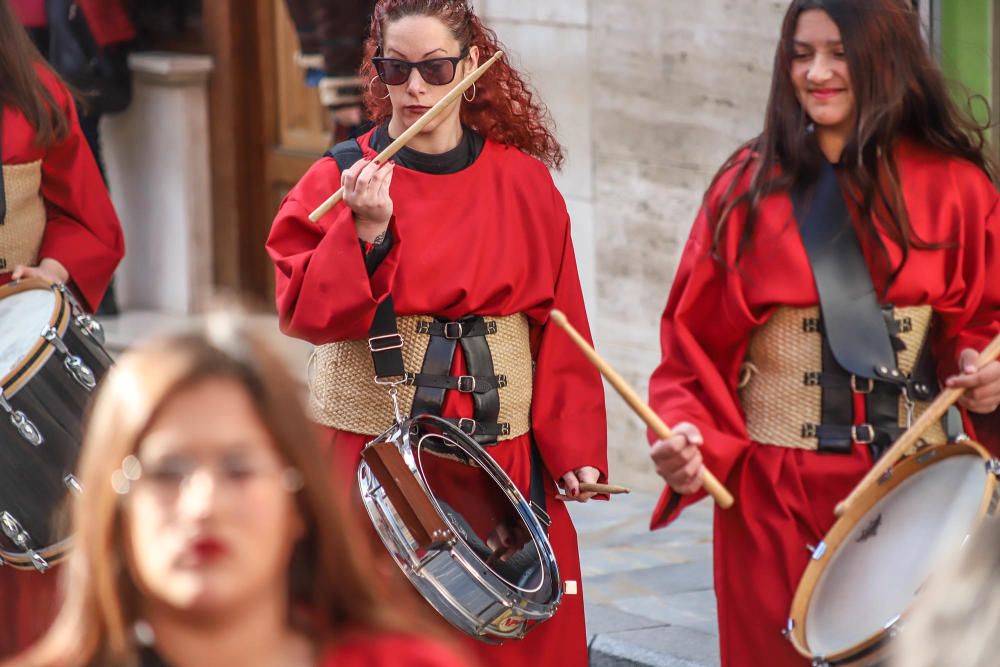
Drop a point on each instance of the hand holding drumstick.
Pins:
(688, 470)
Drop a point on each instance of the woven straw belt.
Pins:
(775, 398)
(23, 226)
(343, 394)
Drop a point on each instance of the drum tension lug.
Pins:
(789, 628)
(817, 551)
(993, 467)
(18, 535)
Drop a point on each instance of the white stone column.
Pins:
(157, 155)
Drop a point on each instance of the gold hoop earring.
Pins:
(469, 99)
(371, 85)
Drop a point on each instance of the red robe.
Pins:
(83, 233)
(389, 651)
(492, 239)
(785, 497)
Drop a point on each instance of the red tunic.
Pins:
(83, 233)
(492, 239)
(82, 230)
(785, 497)
(390, 651)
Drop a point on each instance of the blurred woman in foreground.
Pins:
(206, 533)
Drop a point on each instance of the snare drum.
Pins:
(439, 502)
(866, 572)
(51, 359)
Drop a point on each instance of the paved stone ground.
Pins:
(649, 595)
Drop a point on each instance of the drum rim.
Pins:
(532, 611)
(42, 350)
(834, 538)
(53, 554)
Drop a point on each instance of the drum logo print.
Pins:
(870, 530)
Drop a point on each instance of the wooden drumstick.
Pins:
(413, 130)
(611, 489)
(714, 487)
(930, 416)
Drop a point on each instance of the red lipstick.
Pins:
(207, 549)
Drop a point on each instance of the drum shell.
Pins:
(33, 479)
(862, 515)
(453, 579)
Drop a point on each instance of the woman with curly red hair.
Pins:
(467, 235)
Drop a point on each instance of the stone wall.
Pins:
(649, 97)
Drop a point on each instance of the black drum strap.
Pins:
(852, 317)
(536, 487)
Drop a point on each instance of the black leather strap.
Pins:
(479, 360)
(475, 428)
(346, 153)
(536, 487)
(852, 317)
(469, 327)
(437, 361)
(384, 341)
(836, 406)
(467, 384)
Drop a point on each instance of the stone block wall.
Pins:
(649, 97)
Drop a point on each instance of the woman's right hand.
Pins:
(678, 460)
(366, 192)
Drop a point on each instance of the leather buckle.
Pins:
(867, 389)
(504, 428)
(491, 326)
(466, 384)
(856, 435)
(423, 327)
(386, 342)
(811, 379)
(471, 430)
(450, 328)
(810, 431)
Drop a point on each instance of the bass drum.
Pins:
(51, 359)
(460, 529)
(866, 572)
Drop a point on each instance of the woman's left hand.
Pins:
(571, 482)
(48, 269)
(982, 387)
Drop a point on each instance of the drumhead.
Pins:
(479, 509)
(873, 577)
(25, 314)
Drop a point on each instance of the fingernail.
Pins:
(575, 492)
(970, 368)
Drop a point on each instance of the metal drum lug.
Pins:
(72, 483)
(81, 373)
(18, 535)
(25, 427)
(73, 364)
(91, 327)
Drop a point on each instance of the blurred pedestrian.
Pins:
(208, 533)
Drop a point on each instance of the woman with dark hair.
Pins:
(56, 223)
(762, 389)
(208, 533)
(467, 235)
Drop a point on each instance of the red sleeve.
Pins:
(82, 230)
(568, 414)
(704, 333)
(322, 287)
(975, 320)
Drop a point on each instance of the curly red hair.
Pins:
(504, 108)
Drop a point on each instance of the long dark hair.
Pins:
(899, 92)
(20, 86)
(504, 109)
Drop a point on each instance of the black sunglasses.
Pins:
(436, 71)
